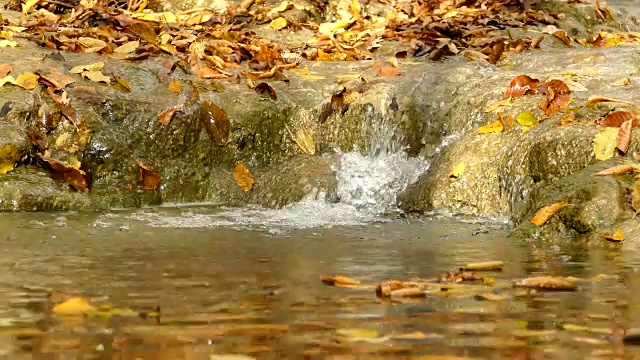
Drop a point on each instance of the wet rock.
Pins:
(598, 204)
(30, 189)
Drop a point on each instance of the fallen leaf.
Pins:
(617, 236)
(73, 306)
(304, 139)
(96, 76)
(76, 178)
(543, 215)
(622, 82)
(278, 23)
(548, 283)
(559, 87)
(5, 69)
(28, 80)
(458, 170)
(87, 93)
(150, 178)
(91, 44)
(8, 80)
(393, 61)
(340, 281)
(175, 86)
(494, 127)
(89, 67)
(164, 117)
(123, 83)
(616, 118)
(563, 36)
(127, 47)
(624, 136)
(28, 5)
(265, 89)
(9, 156)
(521, 85)
(388, 71)
(63, 103)
(604, 143)
(594, 99)
(484, 266)
(6, 107)
(7, 43)
(56, 79)
(553, 102)
(616, 170)
(527, 118)
(635, 197)
(243, 177)
(408, 292)
(215, 122)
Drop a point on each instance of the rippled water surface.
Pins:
(258, 292)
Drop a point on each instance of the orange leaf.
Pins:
(624, 136)
(616, 170)
(562, 35)
(164, 117)
(150, 178)
(553, 102)
(521, 85)
(617, 236)
(388, 71)
(558, 86)
(215, 122)
(340, 281)
(175, 86)
(5, 69)
(616, 118)
(243, 177)
(543, 215)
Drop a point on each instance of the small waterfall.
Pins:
(367, 185)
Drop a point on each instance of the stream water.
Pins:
(220, 283)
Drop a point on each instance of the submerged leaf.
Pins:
(543, 215)
(548, 283)
(243, 177)
(339, 280)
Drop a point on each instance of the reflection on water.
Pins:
(224, 291)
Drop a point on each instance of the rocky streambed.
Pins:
(291, 142)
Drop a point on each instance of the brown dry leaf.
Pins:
(562, 35)
(543, 215)
(76, 178)
(28, 80)
(5, 69)
(58, 80)
(164, 117)
(548, 283)
(388, 71)
(616, 170)
(63, 103)
(559, 87)
(73, 306)
(595, 99)
(624, 136)
(554, 102)
(339, 281)
(215, 122)
(616, 118)
(265, 89)
(175, 86)
(243, 177)
(521, 85)
(622, 82)
(150, 178)
(87, 93)
(617, 236)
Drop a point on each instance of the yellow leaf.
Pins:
(525, 129)
(617, 236)
(8, 79)
(243, 177)
(90, 67)
(175, 86)
(127, 47)
(155, 17)
(527, 118)
(304, 139)
(500, 104)
(96, 76)
(279, 23)
(494, 127)
(91, 42)
(124, 83)
(339, 280)
(169, 17)
(280, 8)
(73, 306)
(355, 8)
(28, 5)
(168, 48)
(9, 155)
(328, 28)
(311, 77)
(7, 43)
(622, 82)
(457, 170)
(393, 61)
(604, 143)
(27, 80)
